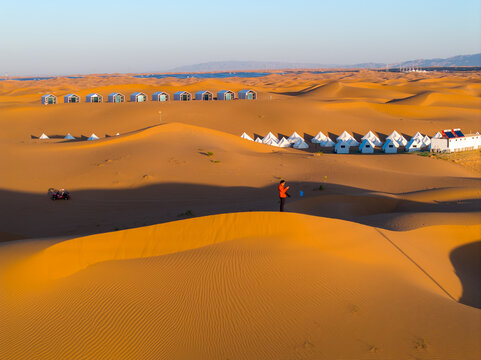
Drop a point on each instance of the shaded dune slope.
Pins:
(248, 285)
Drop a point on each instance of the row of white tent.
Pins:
(71, 137)
(345, 141)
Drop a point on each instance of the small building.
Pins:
(71, 98)
(454, 141)
(94, 98)
(138, 97)
(182, 96)
(390, 146)
(203, 95)
(49, 99)
(225, 95)
(116, 98)
(247, 95)
(342, 147)
(366, 147)
(160, 96)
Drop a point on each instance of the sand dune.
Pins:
(121, 271)
(244, 286)
(430, 98)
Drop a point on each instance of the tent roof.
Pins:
(181, 92)
(245, 136)
(284, 142)
(69, 137)
(159, 93)
(344, 136)
(370, 135)
(43, 136)
(200, 92)
(245, 91)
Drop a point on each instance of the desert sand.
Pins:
(171, 246)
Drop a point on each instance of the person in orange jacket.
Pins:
(283, 194)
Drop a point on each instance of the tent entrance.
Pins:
(250, 96)
(228, 96)
(206, 97)
(140, 98)
(184, 97)
(50, 100)
(95, 99)
(163, 97)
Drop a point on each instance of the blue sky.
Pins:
(78, 37)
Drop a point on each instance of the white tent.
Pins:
(271, 142)
(342, 147)
(426, 141)
(415, 144)
(93, 137)
(438, 135)
(270, 137)
(394, 135)
(390, 146)
(294, 138)
(346, 137)
(258, 140)
(284, 143)
(44, 136)
(118, 134)
(247, 137)
(367, 147)
(373, 138)
(300, 144)
(327, 143)
(320, 137)
(398, 138)
(69, 137)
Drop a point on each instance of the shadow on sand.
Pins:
(466, 260)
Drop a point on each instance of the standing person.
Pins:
(283, 194)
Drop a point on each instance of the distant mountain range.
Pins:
(460, 60)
